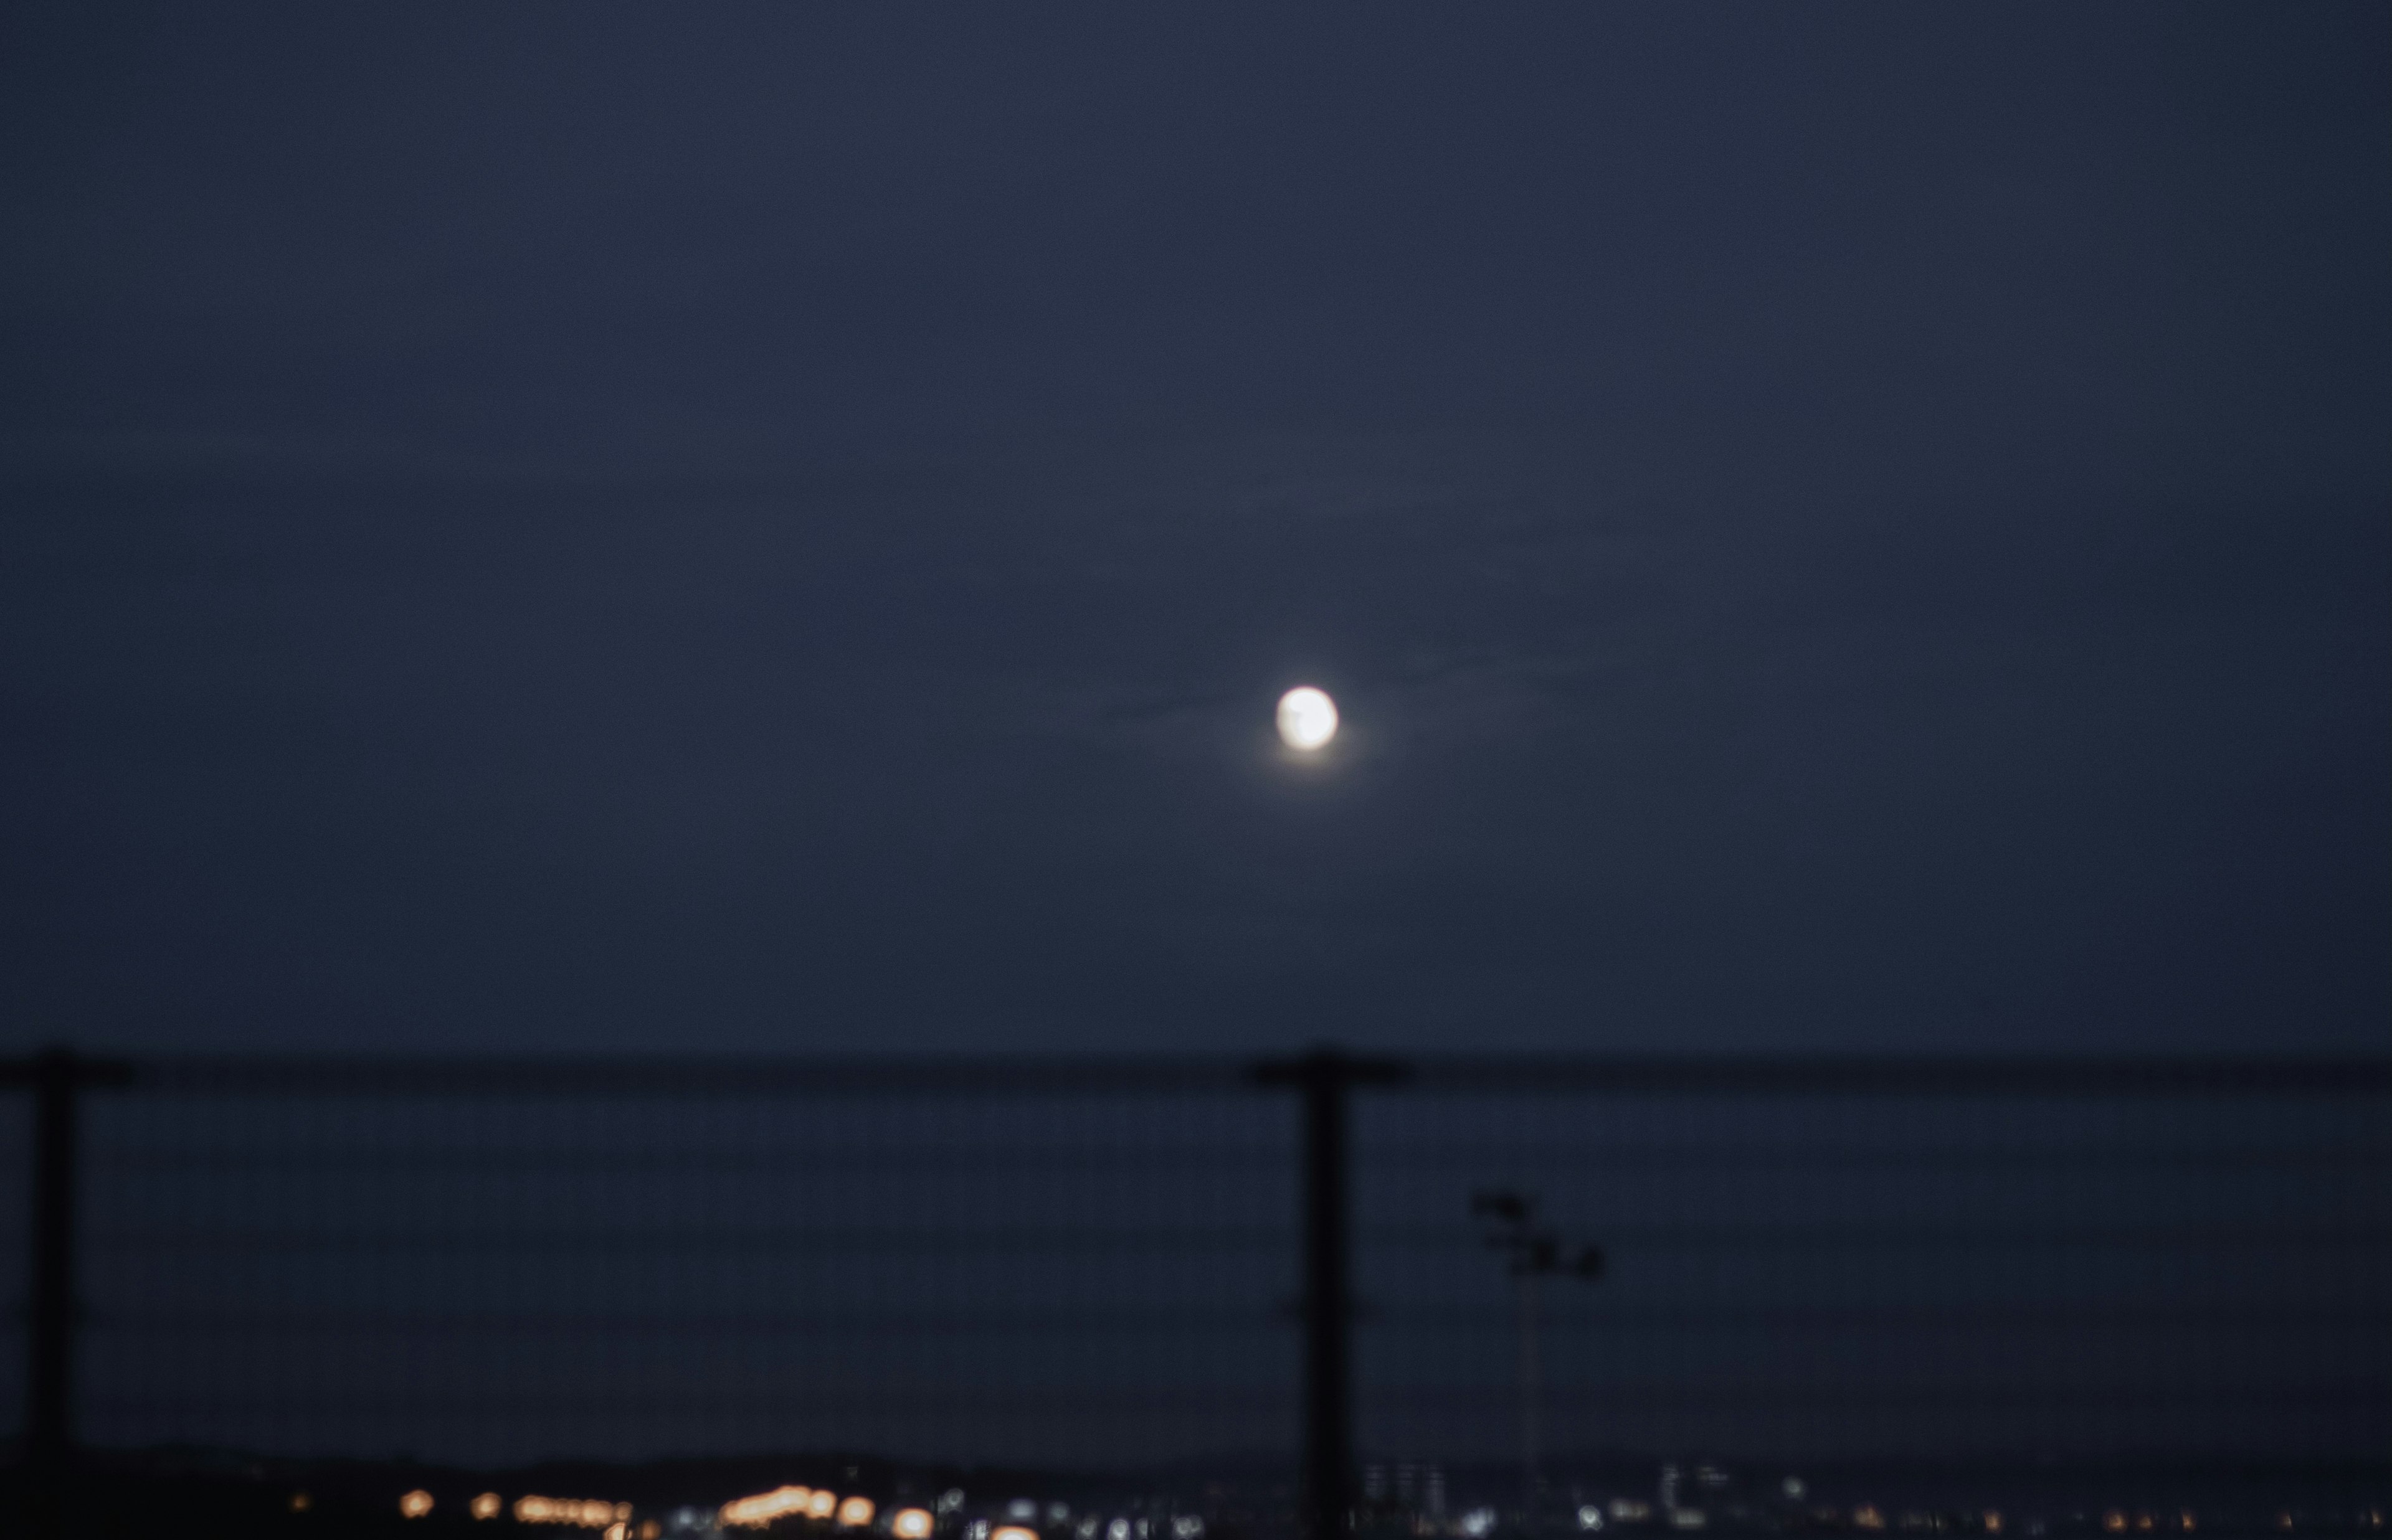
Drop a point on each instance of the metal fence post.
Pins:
(1324, 1077)
(56, 1077)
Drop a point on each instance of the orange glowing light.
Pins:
(910, 1523)
(651, 1529)
(1867, 1517)
(486, 1506)
(416, 1504)
(855, 1513)
(1012, 1532)
(618, 1530)
(1993, 1520)
(823, 1505)
(587, 1513)
(2114, 1521)
(764, 1507)
(301, 1502)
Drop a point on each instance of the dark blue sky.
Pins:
(779, 529)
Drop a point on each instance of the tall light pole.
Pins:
(1531, 1254)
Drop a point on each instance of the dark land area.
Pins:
(207, 1494)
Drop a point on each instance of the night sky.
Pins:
(780, 529)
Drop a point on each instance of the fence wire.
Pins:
(1580, 1288)
(1090, 1278)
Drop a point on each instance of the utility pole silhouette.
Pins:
(1323, 1078)
(56, 1077)
(1531, 1254)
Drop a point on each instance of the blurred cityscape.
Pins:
(1088, 1300)
(207, 1494)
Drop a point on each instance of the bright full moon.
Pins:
(1307, 718)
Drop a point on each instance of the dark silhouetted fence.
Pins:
(1538, 1278)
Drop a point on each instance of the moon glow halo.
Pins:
(1307, 718)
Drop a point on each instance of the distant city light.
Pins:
(1478, 1522)
(1012, 1532)
(587, 1513)
(822, 1505)
(1186, 1527)
(416, 1504)
(486, 1506)
(911, 1523)
(855, 1512)
(1589, 1517)
(301, 1502)
(951, 1499)
(764, 1507)
(1022, 1508)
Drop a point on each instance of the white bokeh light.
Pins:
(1307, 718)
